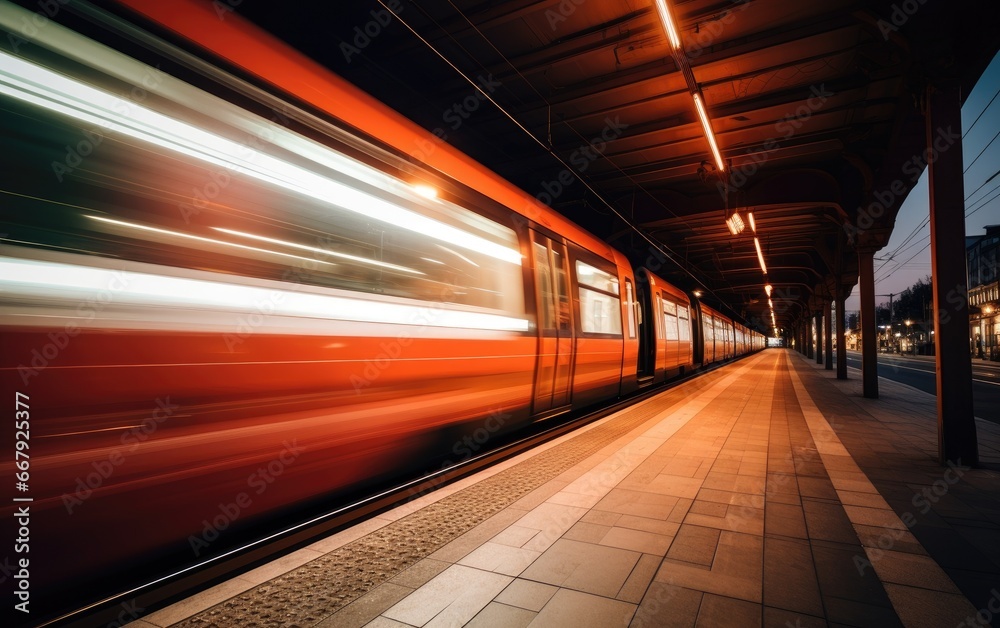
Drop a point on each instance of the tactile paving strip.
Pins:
(307, 595)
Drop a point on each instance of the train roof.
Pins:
(663, 284)
(246, 46)
(714, 312)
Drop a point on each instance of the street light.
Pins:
(909, 338)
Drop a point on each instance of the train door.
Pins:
(647, 334)
(708, 325)
(555, 329)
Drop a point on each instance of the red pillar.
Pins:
(869, 346)
(956, 421)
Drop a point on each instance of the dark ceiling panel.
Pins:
(813, 104)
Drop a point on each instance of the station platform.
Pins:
(765, 492)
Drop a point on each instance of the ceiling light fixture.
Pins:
(709, 135)
(735, 223)
(668, 23)
(760, 255)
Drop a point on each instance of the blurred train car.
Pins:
(223, 296)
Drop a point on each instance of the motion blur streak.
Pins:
(188, 284)
(24, 278)
(45, 88)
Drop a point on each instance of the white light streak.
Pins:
(709, 135)
(316, 249)
(45, 88)
(53, 280)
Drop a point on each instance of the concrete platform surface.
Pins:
(764, 493)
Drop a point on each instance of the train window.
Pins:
(174, 191)
(631, 308)
(659, 305)
(600, 306)
(670, 319)
(596, 278)
(600, 313)
(684, 324)
(543, 273)
(562, 286)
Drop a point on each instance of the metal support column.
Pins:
(841, 334)
(957, 440)
(869, 341)
(808, 325)
(828, 332)
(819, 337)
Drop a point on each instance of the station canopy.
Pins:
(816, 109)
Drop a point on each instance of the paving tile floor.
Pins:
(764, 493)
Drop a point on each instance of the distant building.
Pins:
(982, 255)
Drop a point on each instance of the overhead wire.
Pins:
(983, 202)
(658, 246)
(969, 130)
(544, 100)
(993, 176)
(926, 221)
(973, 162)
(579, 176)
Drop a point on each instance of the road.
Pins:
(918, 371)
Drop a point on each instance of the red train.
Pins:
(213, 311)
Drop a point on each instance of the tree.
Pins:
(853, 322)
(882, 314)
(913, 302)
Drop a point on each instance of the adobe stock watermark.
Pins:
(455, 116)
(393, 348)
(43, 356)
(248, 323)
(944, 138)
(130, 611)
(104, 469)
(39, 19)
(92, 138)
(466, 447)
(562, 11)
(985, 615)
(581, 159)
(297, 276)
(900, 15)
(922, 501)
(365, 34)
(658, 596)
(470, 444)
(229, 511)
(220, 179)
(786, 128)
(707, 32)
(223, 8)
